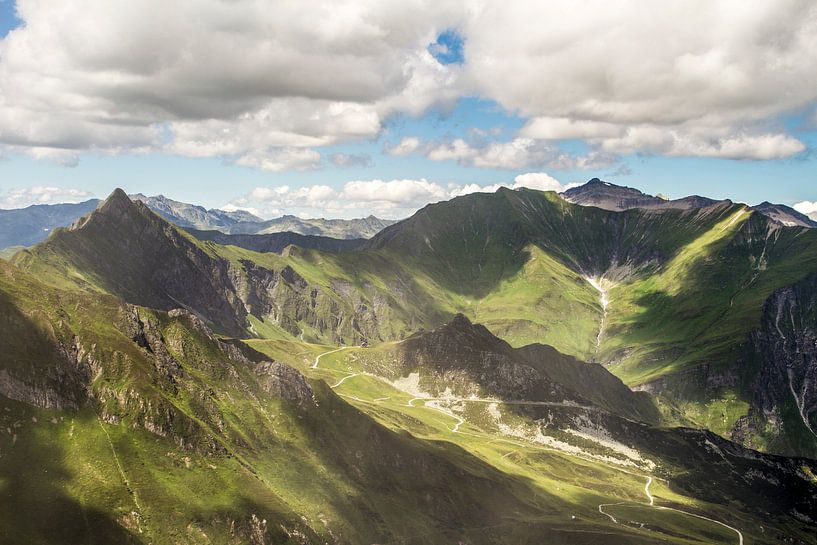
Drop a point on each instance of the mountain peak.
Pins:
(117, 195)
(609, 196)
(117, 205)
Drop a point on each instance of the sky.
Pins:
(349, 108)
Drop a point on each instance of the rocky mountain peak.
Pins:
(117, 207)
(784, 215)
(609, 196)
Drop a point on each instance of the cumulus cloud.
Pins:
(241, 80)
(20, 198)
(516, 154)
(405, 147)
(808, 208)
(692, 78)
(386, 198)
(215, 78)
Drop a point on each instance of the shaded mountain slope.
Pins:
(124, 249)
(783, 413)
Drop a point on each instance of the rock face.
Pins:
(283, 381)
(134, 366)
(610, 196)
(784, 349)
(64, 384)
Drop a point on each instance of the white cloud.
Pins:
(405, 147)
(538, 180)
(392, 198)
(562, 128)
(20, 198)
(250, 81)
(708, 75)
(281, 159)
(806, 207)
(516, 154)
(215, 78)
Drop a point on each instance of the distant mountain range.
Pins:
(239, 222)
(25, 227)
(28, 226)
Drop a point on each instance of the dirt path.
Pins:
(319, 356)
(341, 381)
(663, 508)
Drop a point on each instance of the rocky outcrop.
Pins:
(63, 382)
(784, 349)
(285, 382)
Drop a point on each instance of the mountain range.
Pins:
(518, 366)
(24, 227)
(614, 197)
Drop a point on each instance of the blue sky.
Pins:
(462, 127)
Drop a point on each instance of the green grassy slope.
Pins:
(151, 430)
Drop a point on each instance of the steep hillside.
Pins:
(28, 226)
(783, 413)
(124, 249)
(126, 425)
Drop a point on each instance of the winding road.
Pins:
(319, 356)
(663, 508)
